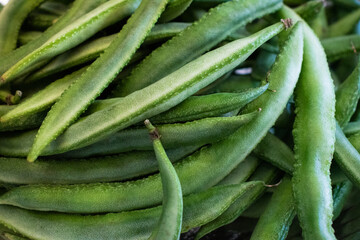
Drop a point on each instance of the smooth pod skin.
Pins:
(79, 8)
(142, 104)
(11, 19)
(314, 138)
(341, 47)
(344, 25)
(77, 32)
(82, 93)
(199, 209)
(276, 152)
(169, 224)
(92, 50)
(264, 173)
(222, 20)
(275, 222)
(90, 170)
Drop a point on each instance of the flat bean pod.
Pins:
(74, 34)
(345, 25)
(341, 47)
(275, 222)
(145, 103)
(199, 209)
(78, 9)
(169, 224)
(90, 170)
(315, 109)
(11, 19)
(222, 20)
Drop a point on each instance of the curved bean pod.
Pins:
(90, 170)
(313, 154)
(174, 9)
(96, 78)
(222, 20)
(92, 50)
(344, 25)
(199, 209)
(274, 223)
(148, 102)
(169, 224)
(11, 19)
(340, 47)
(74, 34)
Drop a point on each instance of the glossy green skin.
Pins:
(340, 195)
(77, 32)
(314, 138)
(78, 9)
(90, 170)
(143, 104)
(276, 152)
(98, 76)
(43, 99)
(11, 19)
(242, 172)
(347, 97)
(93, 49)
(169, 224)
(199, 209)
(347, 157)
(199, 132)
(340, 47)
(345, 25)
(274, 223)
(174, 9)
(28, 36)
(264, 173)
(210, 30)
(40, 21)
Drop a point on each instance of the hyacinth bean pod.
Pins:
(78, 9)
(199, 209)
(90, 170)
(345, 24)
(222, 20)
(11, 19)
(341, 47)
(174, 9)
(352, 128)
(313, 154)
(142, 104)
(169, 224)
(274, 223)
(40, 21)
(77, 32)
(341, 193)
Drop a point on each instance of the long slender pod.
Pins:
(75, 33)
(79, 8)
(345, 24)
(315, 109)
(341, 47)
(199, 171)
(148, 102)
(73, 101)
(89, 170)
(275, 222)
(169, 225)
(199, 209)
(11, 19)
(222, 20)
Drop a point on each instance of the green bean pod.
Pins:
(344, 25)
(169, 224)
(274, 223)
(40, 21)
(309, 10)
(79, 8)
(148, 102)
(222, 20)
(340, 195)
(72, 35)
(28, 36)
(315, 108)
(90, 170)
(264, 173)
(93, 49)
(174, 9)
(11, 19)
(352, 128)
(341, 47)
(57, 8)
(199, 209)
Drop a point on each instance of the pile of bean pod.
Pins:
(180, 119)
